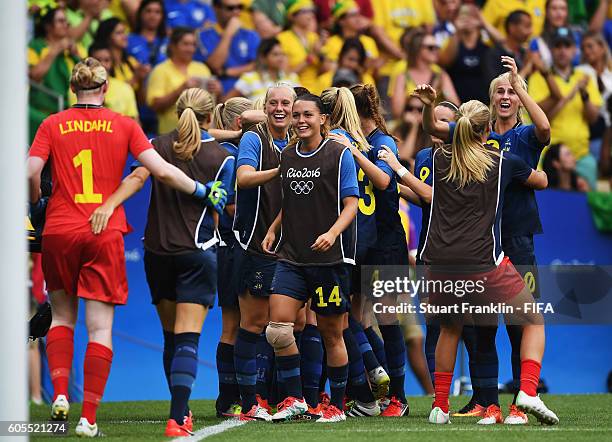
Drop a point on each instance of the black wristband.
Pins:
(584, 95)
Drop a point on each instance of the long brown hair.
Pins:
(193, 107)
(367, 101)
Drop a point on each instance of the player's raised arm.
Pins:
(422, 190)
(536, 114)
(432, 126)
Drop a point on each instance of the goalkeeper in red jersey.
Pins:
(88, 146)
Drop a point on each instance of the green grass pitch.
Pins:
(583, 417)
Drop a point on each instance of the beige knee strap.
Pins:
(280, 335)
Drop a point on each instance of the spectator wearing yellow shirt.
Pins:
(350, 69)
(120, 97)
(170, 78)
(270, 70)
(394, 17)
(496, 11)
(51, 56)
(301, 45)
(348, 24)
(578, 106)
(419, 67)
(112, 33)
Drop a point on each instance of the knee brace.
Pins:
(280, 335)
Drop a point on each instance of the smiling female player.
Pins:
(258, 202)
(344, 120)
(317, 229)
(469, 177)
(88, 145)
(520, 220)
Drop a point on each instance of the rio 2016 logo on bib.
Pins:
(301, 187)
(303, 173)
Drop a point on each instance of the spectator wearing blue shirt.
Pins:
(227, 48)
(148, 42)
(192, 14)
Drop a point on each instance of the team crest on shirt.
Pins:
(303, 185)
(507, 145)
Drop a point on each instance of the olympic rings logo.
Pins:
(301, 187)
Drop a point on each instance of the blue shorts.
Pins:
(327, 286)
(187, 278)
(253, 272)
(521, 251)
(226, 282)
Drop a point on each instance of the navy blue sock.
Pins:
(183, 373)
(228, 386)
(245, 361)
(360, 389)
(378, 347)
(265, 357)
(369, 358)
(515, 333)
(395, 349)
(168, 355)
(431, 340)
(337, 384)
(323, 380)
(289, 375)
(311, 363)
(298, 339)
(468, 334)
(487, 364)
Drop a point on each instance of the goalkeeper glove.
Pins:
(214, 194)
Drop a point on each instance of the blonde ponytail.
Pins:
(470, 159)
(340, 105)
(226, 113)
(193, 107)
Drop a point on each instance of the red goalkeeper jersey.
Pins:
(88, 147)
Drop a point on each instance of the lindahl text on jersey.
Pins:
(86, 126)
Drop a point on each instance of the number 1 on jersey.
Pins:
(83, 160)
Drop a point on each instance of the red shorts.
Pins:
(86, 265)
(500, 284)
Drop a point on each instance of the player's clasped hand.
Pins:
(37, 212)
(389, 157)
(216, 196)
(324, 242)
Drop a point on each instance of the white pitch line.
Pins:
(211, 431)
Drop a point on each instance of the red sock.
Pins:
(530, 376)
(98, 359)
(60, 347)
(442, 383)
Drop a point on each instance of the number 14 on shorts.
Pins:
(334, 297)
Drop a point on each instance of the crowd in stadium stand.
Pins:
(156, 49)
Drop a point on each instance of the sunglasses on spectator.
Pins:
(231, 8)
(431, 47)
